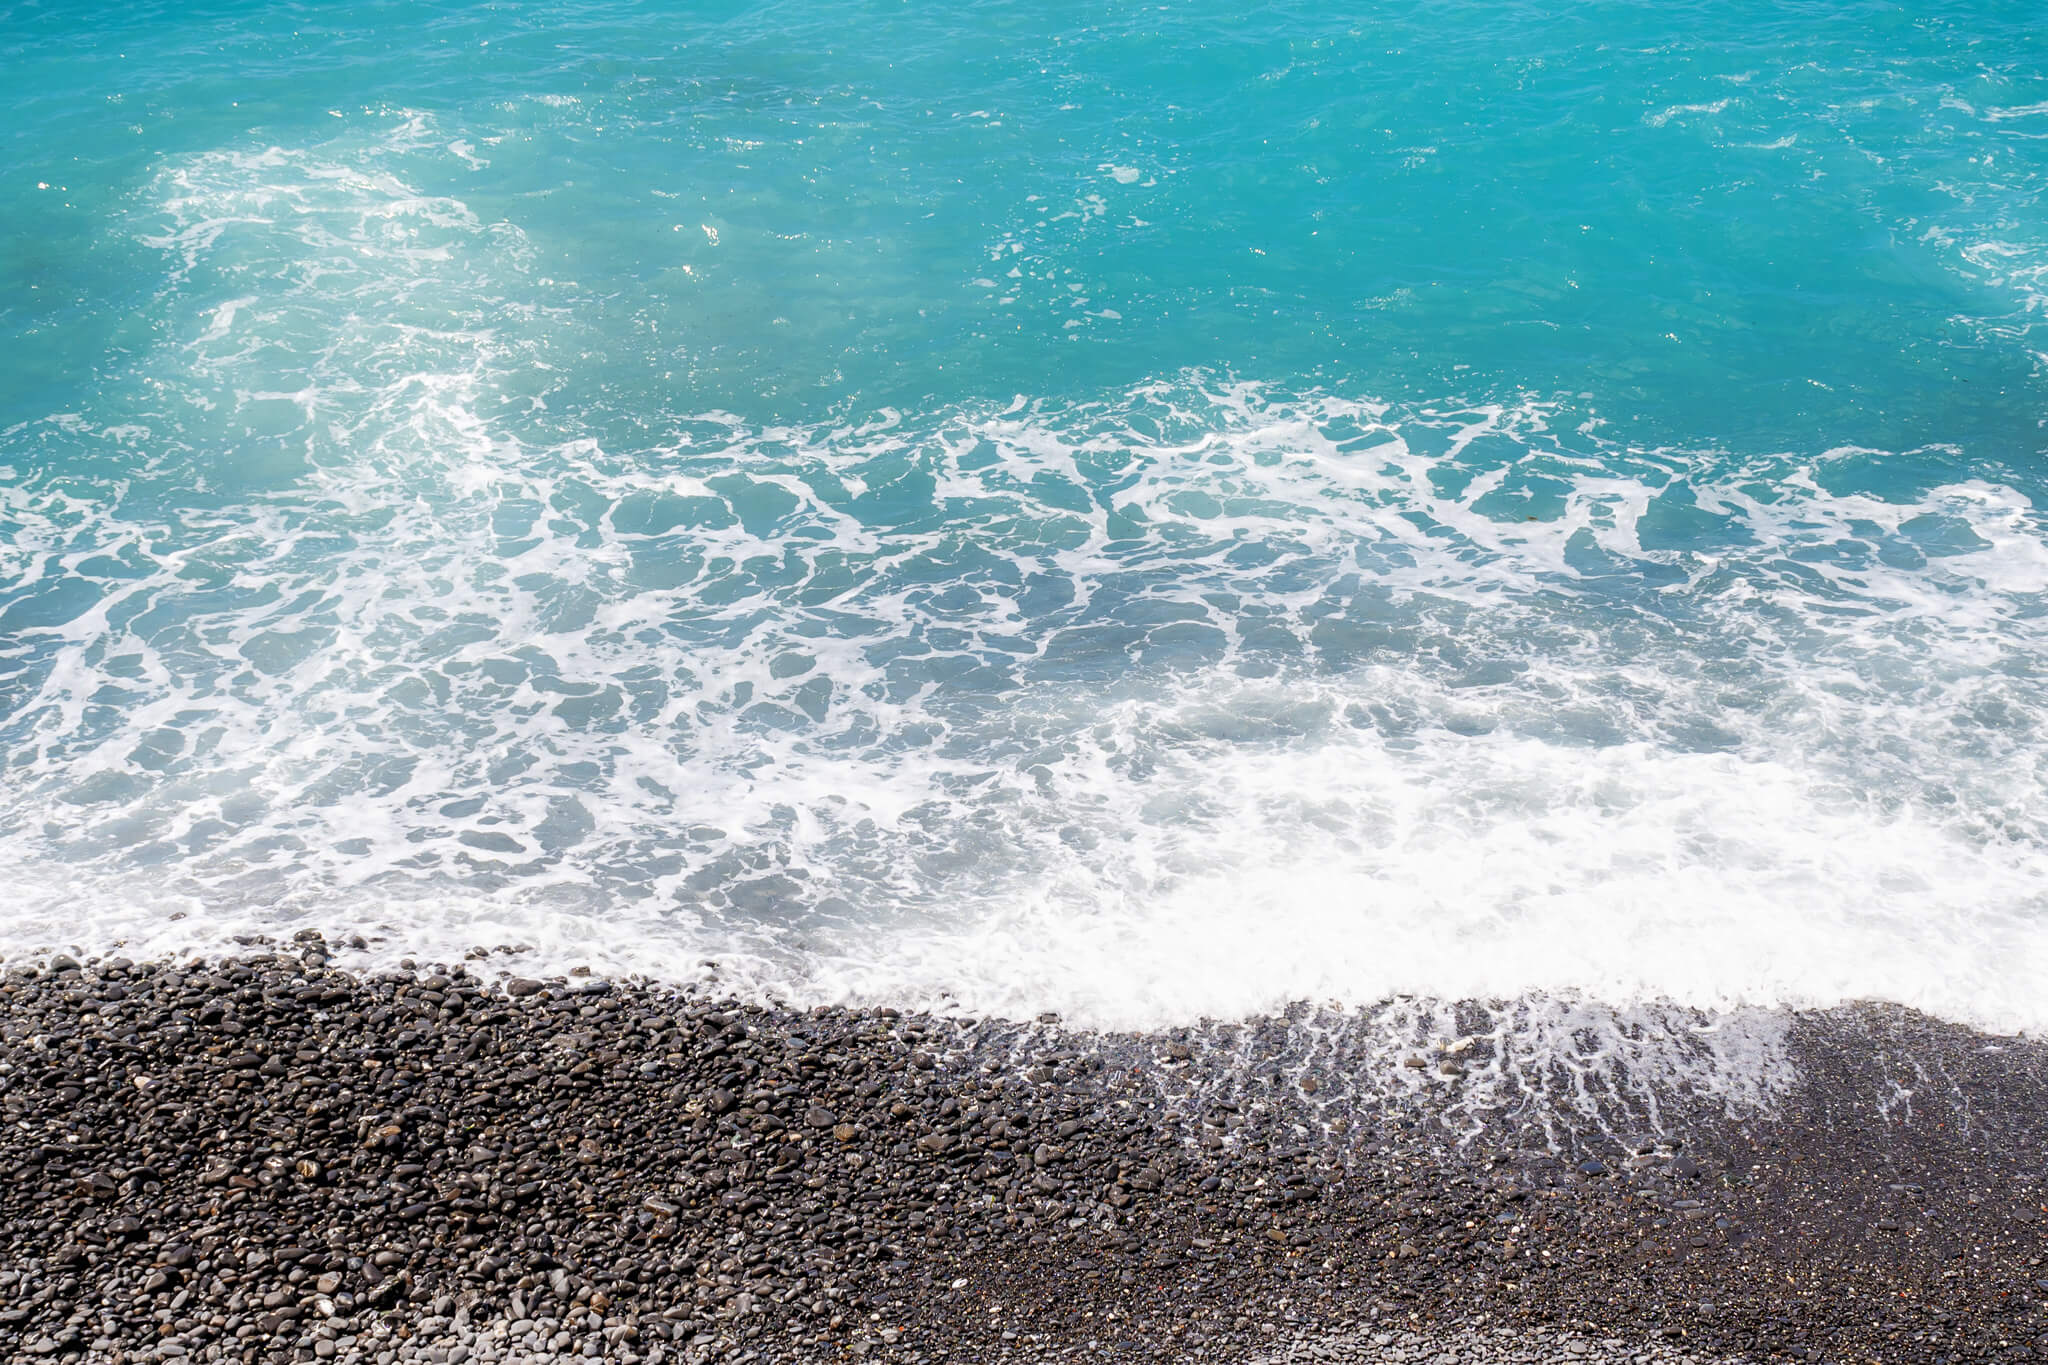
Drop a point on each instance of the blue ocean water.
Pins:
(1143, 511)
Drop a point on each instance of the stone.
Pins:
(440, 1164)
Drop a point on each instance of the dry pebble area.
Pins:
(458, 1341)
(269, 1159)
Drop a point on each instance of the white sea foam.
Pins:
(1665, 115)
(1198, 699)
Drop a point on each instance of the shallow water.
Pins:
(1140, 513)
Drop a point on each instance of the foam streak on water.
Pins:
(1192, 697)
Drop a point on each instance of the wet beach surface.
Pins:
(273, 1158)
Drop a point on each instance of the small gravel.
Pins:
(270, 1159)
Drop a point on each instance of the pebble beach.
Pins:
(1215, 684)
(271, 1158)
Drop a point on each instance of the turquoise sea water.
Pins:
(1136, 510)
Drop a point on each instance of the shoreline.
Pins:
(272, 1158)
